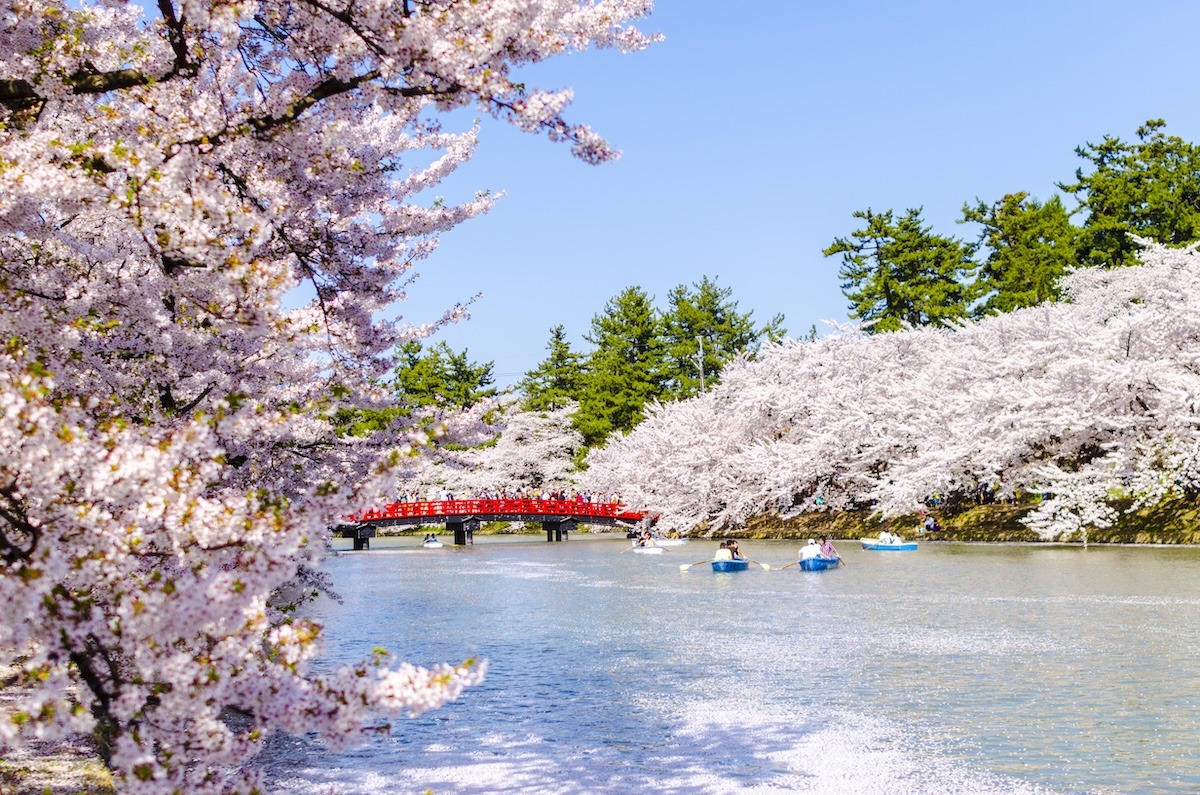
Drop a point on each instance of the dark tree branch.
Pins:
(13, 512)
(18, 94)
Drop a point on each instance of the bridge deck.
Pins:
(437, 511)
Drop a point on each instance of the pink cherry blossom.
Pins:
(205, 216)
(1074, 403)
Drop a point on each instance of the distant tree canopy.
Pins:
(557, 381)
(641, 355)
(1150, 188)
(897, 273)
(1029, 245)
(434, 377)
(703, 331)
(627, 366)
(439, 377)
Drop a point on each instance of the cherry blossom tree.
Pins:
(1079, 401)
(527, 451)
(168, 185)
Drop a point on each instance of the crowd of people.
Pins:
(515, 494)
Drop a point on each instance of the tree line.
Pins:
(1087, 403)
(639, 354)
(896, 272)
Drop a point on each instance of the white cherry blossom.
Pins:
(169, 183)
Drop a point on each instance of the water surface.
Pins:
(954, 669)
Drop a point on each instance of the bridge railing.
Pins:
(443, 508)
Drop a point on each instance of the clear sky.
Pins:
(754, 131)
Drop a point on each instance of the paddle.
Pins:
(765, 566)
(686, 566)
(789, 565)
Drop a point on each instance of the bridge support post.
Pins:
(559, 530)
(463, 530)
(361, 533)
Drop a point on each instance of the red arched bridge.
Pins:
(559, 518)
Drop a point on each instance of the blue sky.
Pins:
(753, 133)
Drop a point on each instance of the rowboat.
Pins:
(819, 563)
(886, 545)
(647, 550)
(433, 544)
(670, 542)
(730, 565)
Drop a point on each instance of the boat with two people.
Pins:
(888, 542)
(727, 558)
(818, 557)
(646, 543)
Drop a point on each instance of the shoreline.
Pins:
(1171, 523)
(1168, 524)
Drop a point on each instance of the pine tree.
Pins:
(1030, 245)
(896, 273)
(702, 331)
(558, 380)
(440, 377)
(625, 371)
(1150, 188)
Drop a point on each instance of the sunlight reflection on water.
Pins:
(949, 670)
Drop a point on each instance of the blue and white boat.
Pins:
(888, 543)
(819, 563)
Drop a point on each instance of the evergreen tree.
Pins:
(625, 370)
(897, 273)
(1150, 188)
(1029, 245)
(702, 331)
(558, 380)
(440, 377)
(437, 378)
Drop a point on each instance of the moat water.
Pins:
(954, 669)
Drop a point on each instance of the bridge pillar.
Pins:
(361, 533)
(463, 530)
(559, 530)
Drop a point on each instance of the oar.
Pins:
(789, 565)
(765, 566)
(686, 566)
(626, 549)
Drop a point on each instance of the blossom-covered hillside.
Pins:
(1077, 401)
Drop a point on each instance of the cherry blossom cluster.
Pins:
(1074, 403)
(522, 451)
(208, 213)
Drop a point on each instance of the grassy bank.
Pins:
(1171, 522)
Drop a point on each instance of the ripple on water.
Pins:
(1008, 672)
